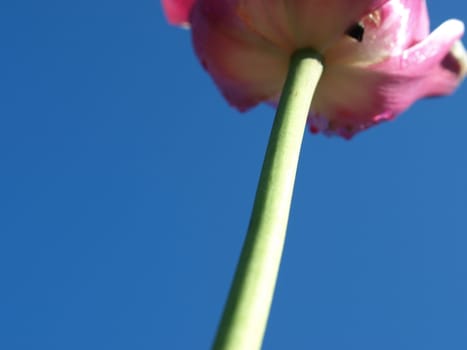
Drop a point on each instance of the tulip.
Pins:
(379, 55)
(341, 66)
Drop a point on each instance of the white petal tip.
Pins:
(459, 53)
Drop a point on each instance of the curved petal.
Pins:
(322, 22)
(247, 68)
(352, 98)
(178, 11)
(427, 61)
(388, 31)
(307, 23)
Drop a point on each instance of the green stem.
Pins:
(246, 312)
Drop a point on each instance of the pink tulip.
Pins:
(379, 54)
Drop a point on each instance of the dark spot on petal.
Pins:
(451, 64)
(204, 64)
(314, 129)
(349, 128)
(356, 32)
(332, 125)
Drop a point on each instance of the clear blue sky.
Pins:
(127, 183)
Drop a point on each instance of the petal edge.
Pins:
(178, 11)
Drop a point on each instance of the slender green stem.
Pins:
(246, 312)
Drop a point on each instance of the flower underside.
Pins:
(379, 55)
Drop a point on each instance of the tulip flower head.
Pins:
(379, 55)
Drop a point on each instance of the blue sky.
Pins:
(127, 184)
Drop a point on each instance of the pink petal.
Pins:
(388, 31)
(305, 23)
(323, 22)
(178, 11)
(425, 62)
(245, 45)
(247, 68)
(354, 98)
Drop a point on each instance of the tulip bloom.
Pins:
(341, 65)
(379, 54)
